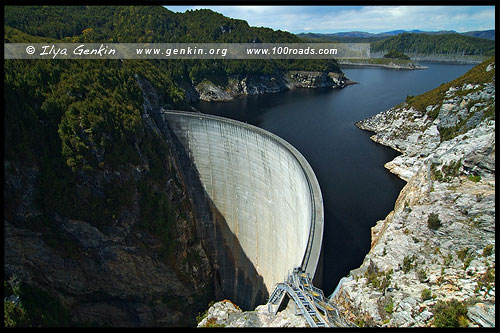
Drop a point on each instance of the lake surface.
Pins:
(357, 190)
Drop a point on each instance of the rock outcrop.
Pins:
(238, 86)
(227, 314)
(438, 243)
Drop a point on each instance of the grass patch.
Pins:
(474, 178)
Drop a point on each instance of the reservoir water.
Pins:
(357, 189)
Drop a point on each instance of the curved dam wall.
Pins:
(267, 194)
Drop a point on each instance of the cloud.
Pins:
(355, 18)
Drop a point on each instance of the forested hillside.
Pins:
(418, 43)
(452, 44)
(98, 228)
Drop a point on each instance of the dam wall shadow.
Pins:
(264, 189)
(234, 276)
(257, 203)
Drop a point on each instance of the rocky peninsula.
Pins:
(240, 86)
(381, 62)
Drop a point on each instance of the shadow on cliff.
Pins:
(234, 276)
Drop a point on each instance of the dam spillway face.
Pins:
(266, 192)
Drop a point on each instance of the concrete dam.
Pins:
(268, 210)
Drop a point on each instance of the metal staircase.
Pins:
(309, 300)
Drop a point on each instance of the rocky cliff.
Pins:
(116, 272)
(432, 259)
(239, 86)
(227, 314)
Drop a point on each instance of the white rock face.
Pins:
(226, 314)
(453, 178)
(411, 265)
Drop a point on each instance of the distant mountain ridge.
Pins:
(486, 34)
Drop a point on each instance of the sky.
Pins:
(374, 19)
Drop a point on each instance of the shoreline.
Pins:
(391, 65)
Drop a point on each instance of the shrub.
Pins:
(450, 314)
(433, 221)
(486, 280)
(379, 280)
(14, 315)
(426, 294)
(36, 309)
(462, 254)
(421, 275)
(408, 263)
(389, 308)
(396, 55)
(488, 250)
(474, 178)
(212, 322)
(466, 256)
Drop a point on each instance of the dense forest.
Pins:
(416, 43)
(450, 44)
(77, 149)
(60, 93)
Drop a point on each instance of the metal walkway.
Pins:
(309, 301)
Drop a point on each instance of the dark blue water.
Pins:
(357, 189)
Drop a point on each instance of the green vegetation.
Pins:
(421, 275)
(476, 76)
(486, 280)
(488, 250)
(380, 61)
(393, 54)
(74, 119)
(433, 221)
(158, 217)
(450, 314)
(155, 24)
(78, 125)
(445, 44)
(359, 322)
(448, 171)
(474, 178)
(466, 256)
(426, 294)
(379, 280)
(454, 45)
(408, 263)
(389, 308)
(36, 308)
(447, 260)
